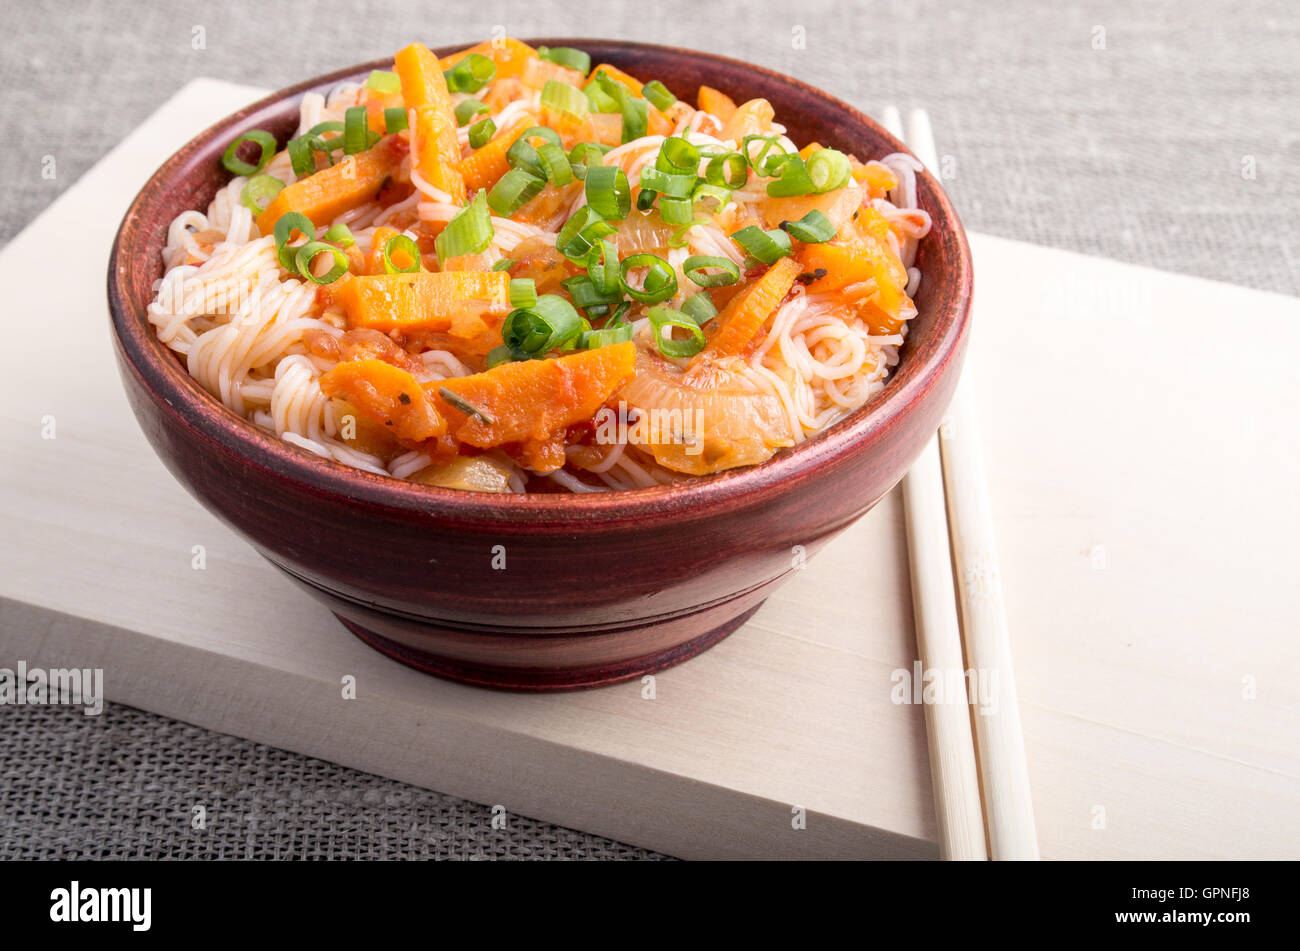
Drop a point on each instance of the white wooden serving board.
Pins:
(1142, 450)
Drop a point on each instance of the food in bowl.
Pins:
(513, 270)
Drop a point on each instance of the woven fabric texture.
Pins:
(1164, 134)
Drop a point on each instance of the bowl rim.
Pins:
(175, 392)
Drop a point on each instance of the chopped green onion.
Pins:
(678, 238)
(675, 211)
(467, 233)
(584, 155)
(522, 154)
(660, 280)
(258, 192)
(265, 143)
(471, 74)
(595, 339)
(720, 195)
(308, 253)
(406, 245)
(384, 82)
(499, 355)
(340, 235)
(828, 169)
(665, 318)
(699, 307)
(766, 247)
(603, 270)
(793, 179)
(599, 100)
(564, 98)
(759, 162)
(636, 117)
(566, 56)
(555, 163)
(395, 119)
(608, 192)
(513, 190)
(581, 234)
(812, 228)
(700, 268)
(645, 199)
(467, 109)
(587, 296)
(481, 132)
(670, 184)
(547, 325)
(504, 264)
(302, 154)
(523, 292)
(678, 155)
(658, 95)
(728, 171)
(356, 130)
(285, 226)
(465, 406)
(320, 128)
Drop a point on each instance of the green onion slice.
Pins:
(670, 184)
(522, 154)
(467, 109)
(699, 307)
(384, 82)
(395, 119)
(766, 247)
(793, 179)
(709, 271)
(666, 319)
(356, 130)
(265, 143)
(545, 326)
(760, 161)
(660, 280)
(481, 132)
(499, 355)
(405, 244)
(566, 56)
(523, 292)
(504, 264)
(320, 128)
(828, 169)
(340, 235)
(645, 199)
(812, 228)
(728, 171)
(603, 270)
(308, 253)
(467, 233)
(678, 155)
(719, 195)
(564, 98)
(584, 155)
(471, 74)
(581, 234)
(555, 163)
(675, 211)
(636, 118)
(594, 339)
(258, 192)
(608, 192)
(599, 100)
(302, 154)
(285, 226)
(513, 190)
(658, 95)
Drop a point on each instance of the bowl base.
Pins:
(538, 679)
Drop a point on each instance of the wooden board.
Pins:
(1143, 465)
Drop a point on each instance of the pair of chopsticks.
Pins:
(981, 782)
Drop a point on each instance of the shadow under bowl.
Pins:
(541, 591)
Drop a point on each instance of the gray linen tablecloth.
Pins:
(1164, 134)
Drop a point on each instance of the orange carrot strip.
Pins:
(326, 194)
(509, 55)
(745, 314)
(716, 103)
(424, 89)
(453, 302)
(533, 402)
(387, 395)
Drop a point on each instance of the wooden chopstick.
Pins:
(1000, 744)
(938, 641)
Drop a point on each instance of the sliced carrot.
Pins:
(374, 262)
(531, 403)
(875, 176)
(809, 149)
(451, 302)
(744, 316)
(326, 194)
(483, 167)
(424, 89)
(868, 256)
(509, 55)
(717, 104)
(387, 395)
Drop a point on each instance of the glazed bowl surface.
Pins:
(539, 591)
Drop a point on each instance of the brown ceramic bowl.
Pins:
(595, 588)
